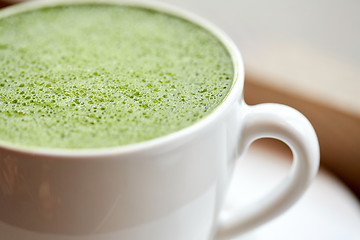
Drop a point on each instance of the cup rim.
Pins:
(162, 142)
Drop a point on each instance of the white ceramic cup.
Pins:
(169, 188)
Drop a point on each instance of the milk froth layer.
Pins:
(94, 76)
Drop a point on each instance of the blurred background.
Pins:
(305, 54)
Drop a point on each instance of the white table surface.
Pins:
(327, 211)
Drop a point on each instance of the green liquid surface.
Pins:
(95, 76)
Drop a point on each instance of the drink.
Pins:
(97, 75)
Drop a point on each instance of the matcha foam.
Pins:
(94, 76)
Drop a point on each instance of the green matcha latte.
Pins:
(97, 75)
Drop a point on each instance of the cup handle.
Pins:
(290, 126)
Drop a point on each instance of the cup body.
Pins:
(168, 188)
(171, 192)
